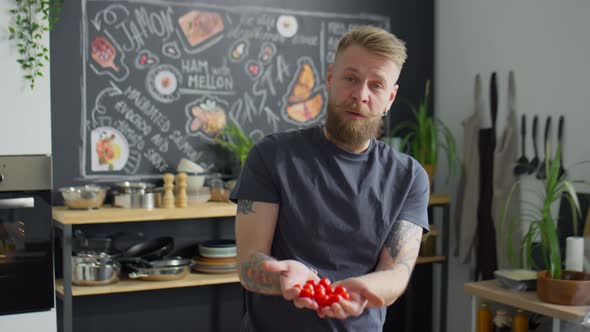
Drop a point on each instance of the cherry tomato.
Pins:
(306, 292)
(297, 286)
(325, 282)
(323, 300)
(310, 282)
(340, 290)
(329, 290)
(319, 291)
(334, 298)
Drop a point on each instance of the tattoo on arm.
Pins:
(256, 279)
(245, 206)
(403, 243)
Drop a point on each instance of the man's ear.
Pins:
(329, 76)
(392, 96)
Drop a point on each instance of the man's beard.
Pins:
(352, 132)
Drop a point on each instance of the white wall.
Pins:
(25, 128)
(25, 119)
(546, 42)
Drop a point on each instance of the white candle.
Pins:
(574, 253)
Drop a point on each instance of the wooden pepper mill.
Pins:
(168, 200)
(181, 199)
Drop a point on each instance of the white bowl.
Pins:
(194, 182)
(188, 166)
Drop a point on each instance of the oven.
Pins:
(26, 238)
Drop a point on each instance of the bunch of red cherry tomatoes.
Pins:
(322, 292)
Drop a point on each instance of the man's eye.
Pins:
(349, 78)
(378, 86)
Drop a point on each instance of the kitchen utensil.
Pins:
(104, 53)
(522, 164)
(81, 242)
(560, 143)
(85, 197)
(517, 279)
(134, 195)
(94, 269)
(159, 273)
(534, 165)
(151, 249)
(218, 249)
(542, 171)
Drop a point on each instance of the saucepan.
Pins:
(94, 269)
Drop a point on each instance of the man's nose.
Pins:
(360, 94)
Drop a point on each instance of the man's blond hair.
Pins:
(377, 41)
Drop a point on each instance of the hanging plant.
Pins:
(31, 19)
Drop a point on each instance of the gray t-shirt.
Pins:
(336, 210)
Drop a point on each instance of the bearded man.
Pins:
(333, 202)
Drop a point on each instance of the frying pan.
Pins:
(151, 249)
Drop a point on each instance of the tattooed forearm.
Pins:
(403, 243)
(245, 207)
(256, 279)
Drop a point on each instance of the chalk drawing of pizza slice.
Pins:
(305, 97)
(199, 26)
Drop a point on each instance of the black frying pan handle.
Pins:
(560, 130)
(547, 128)
(523, 132)
(535, 123)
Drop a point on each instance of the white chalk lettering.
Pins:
(148, 109)
(156, 159)
(194, 66)
(184, 146)
(160, 142)
(133, 117)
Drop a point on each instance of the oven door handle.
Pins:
(17, 203)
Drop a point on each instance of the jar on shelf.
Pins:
(502, 321)
(520, 322)
(484, 319)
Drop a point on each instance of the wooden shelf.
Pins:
(492, 290)
(124, 286)
(439, 199)
(192, 280)
(431, 259)
(108, 214)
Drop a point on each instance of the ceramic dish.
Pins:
(218, 249)
(517, 279)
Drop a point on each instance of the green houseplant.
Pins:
(232, 138)
(426, 136)
(553, 285)
(31, 19)
(542, 228)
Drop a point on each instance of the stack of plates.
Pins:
(216, 257)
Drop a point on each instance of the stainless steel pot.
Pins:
(94, 269)
(134, 195)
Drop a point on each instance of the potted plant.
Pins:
(31, 19)
(232, 138)
(553, 285)
(426, 136)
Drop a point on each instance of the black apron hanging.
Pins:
(486, 258)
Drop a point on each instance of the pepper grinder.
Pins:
(181, 190)
(168, 200)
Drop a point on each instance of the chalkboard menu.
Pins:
(161, 79)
